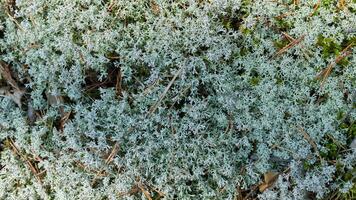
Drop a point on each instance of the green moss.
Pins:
(254, 81)
(233, 21)
(340, 115)
(283, 25)
(279, 44)
(77, 38)
(329, 46)
(245, 31)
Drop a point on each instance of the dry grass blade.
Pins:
(15, 21)
(269, 179)
(310, 141)
(326, 72)
(111, 6)
(155, 106)
(341, 4)
(26, 160)
(288, 46)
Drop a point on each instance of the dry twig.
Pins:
(288, 46)
(291, 39)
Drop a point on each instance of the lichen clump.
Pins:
(187, 99)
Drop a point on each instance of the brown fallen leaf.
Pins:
(269, 179)
(6, 74)
(15, 95)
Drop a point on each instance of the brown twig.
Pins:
(288, 46)
(291, 39)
